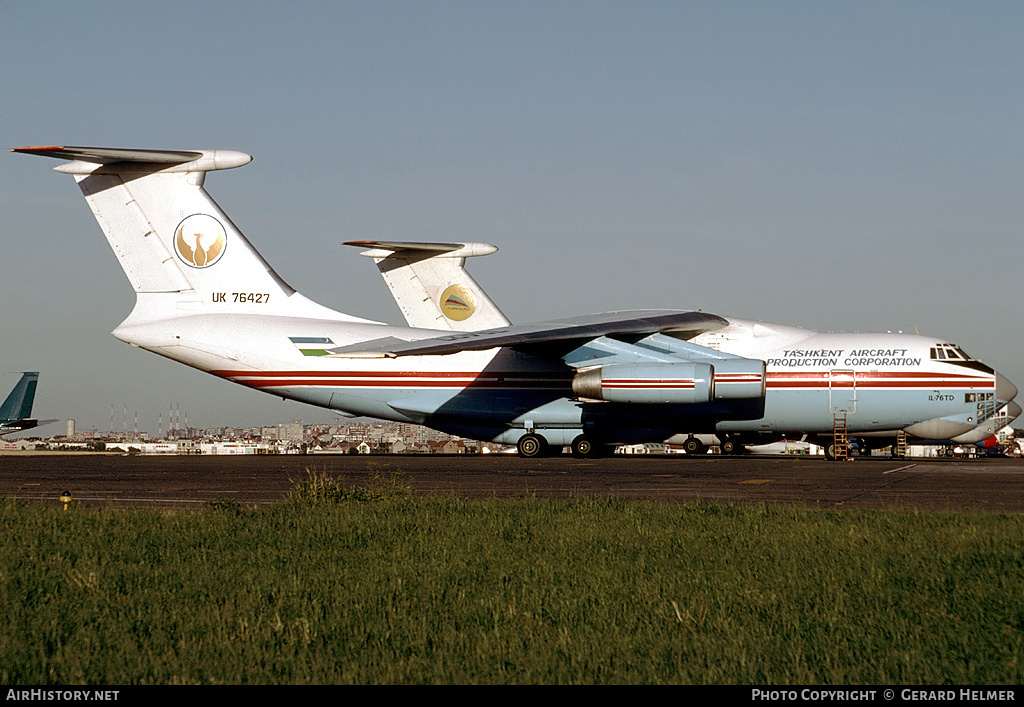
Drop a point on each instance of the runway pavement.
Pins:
(995, 485)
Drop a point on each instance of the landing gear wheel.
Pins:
(692, 445)
(730, 447)
(830, 451)
(531, 446)
(583, 448)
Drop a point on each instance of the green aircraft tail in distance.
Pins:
(16, 411)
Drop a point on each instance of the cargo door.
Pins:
(842, 391)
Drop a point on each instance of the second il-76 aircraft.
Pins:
(207, 298)
(433, 289)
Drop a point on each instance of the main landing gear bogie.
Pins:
(692, 445)
(584, 447)
(532, 446)
(729, 446)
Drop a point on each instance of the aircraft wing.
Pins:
(555, 337)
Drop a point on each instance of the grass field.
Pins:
(378, 586)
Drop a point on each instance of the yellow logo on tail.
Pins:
(457, 303)
(199, 240)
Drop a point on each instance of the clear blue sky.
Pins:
(847, 166)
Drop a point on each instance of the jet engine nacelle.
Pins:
(739, 378)
(672, 383)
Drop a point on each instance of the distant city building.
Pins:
(287, 438)
(373, 437)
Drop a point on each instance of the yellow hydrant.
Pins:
(65, 498)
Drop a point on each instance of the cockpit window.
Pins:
(944, 352)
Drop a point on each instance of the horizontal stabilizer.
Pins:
(564, 334)
(114, 160)
(103, 155)
(7, 428)
(411, 249)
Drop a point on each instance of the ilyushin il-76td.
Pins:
(433, 289)
(208, 299)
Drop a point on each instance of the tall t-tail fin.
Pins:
(431, 285)
(175, 244)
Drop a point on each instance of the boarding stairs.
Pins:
(840, 438)
(899, 449)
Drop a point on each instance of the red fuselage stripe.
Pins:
(786, 380)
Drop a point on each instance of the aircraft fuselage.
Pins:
(880, 381)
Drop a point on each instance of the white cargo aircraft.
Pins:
(423, 277)
(206, 298)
